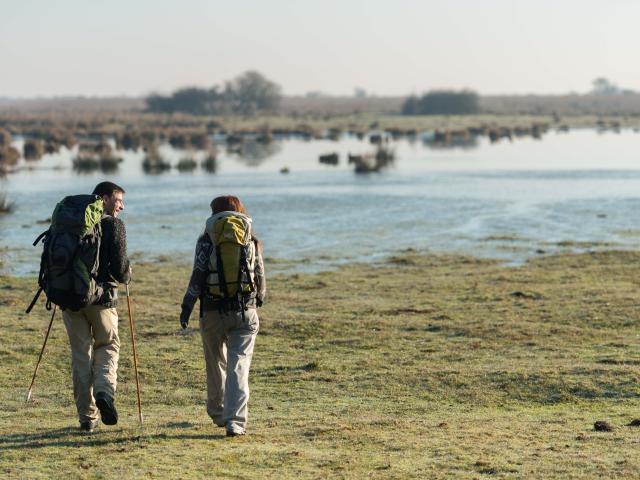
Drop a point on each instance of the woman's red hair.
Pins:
(227, 203)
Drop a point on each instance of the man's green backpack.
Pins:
(71, 254)
(232, 259)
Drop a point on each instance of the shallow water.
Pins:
(567, 192)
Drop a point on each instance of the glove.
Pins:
(184, 317)
(258, 302)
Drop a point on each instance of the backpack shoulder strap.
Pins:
(41, 236)
(35, 299)
(245, 268)
(221, 279)
(41, 274)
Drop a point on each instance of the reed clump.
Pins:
(329, 158)
(9, 156)
(51, 147)
(179, 140)
(210, 164)
(86, 163)
(334, 133)
(33, 149)
(129, 140)
(153, 162)
(97, 155)
(5, 139)
(373, 162)
(199, 140)
(264, 135)
(98, 148)
(187, 164)
(109, 163)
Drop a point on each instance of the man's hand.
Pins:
(129, 276)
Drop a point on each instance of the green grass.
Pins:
(422, 366)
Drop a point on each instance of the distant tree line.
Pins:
(603, 87)
(442, 102)
(247, 94)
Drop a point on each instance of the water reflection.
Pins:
(464, 142)
(253, 153)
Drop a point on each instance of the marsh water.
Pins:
(571, 191)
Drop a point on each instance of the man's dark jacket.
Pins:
(114, 263)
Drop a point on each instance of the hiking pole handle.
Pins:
(135, 355)
(44, 344)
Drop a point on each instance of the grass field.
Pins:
(422, 366)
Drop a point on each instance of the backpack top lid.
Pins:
(77, 214)
(233, 227)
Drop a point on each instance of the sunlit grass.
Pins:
(416, 367)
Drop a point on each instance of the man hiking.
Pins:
(93, 329)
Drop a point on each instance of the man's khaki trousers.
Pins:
(95, 347)
(228, 342)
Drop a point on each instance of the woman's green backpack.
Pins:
(231, 262)
(71, 254)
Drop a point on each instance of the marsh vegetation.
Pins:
(153, 161)
(187, 164)
(254, 138)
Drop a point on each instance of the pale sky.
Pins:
(134, 47)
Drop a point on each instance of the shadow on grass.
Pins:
(73, 437)
(178, 425)
(279, 369)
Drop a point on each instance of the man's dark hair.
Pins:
(107, 188)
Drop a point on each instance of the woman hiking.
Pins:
(229, 280)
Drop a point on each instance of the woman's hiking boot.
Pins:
(88, 426)
(234, 429)
(108, 412)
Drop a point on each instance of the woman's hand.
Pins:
(184, 317)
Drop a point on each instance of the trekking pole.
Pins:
(41, 353)
(135, 359)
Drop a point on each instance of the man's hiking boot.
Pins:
(236, 433)
(88, 426)
(108, 412)
(219, 423)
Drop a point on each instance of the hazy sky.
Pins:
(133, 47)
